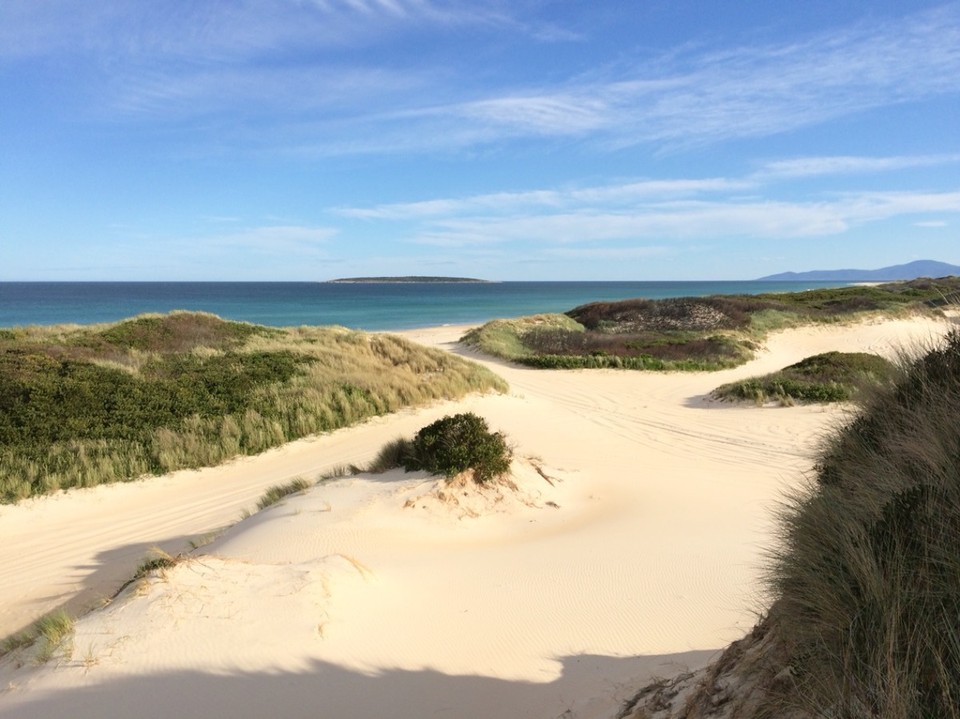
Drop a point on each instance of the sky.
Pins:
(306, 140)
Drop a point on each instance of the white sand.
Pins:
(395, 596)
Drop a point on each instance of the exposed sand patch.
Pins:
(399, 595)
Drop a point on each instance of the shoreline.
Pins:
(653, 551)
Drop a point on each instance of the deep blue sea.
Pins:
(359, 306)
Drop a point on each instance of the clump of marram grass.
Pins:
(392, 455)
(50, 634)
(54, 632)
(827, 377)
(867, 577)
(278, 491)
(89, 405)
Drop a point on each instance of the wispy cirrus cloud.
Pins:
(849, 164)
(504, 202)
(746, 91)
(648, 213)
(137, 31)
(295, 69)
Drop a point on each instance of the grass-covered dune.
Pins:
(826, 377)
(85, 405)
(865, 580)
(691, 333)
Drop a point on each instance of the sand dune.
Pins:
(629, 544)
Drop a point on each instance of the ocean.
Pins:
(374, 307)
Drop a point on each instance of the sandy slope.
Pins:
(396, 596)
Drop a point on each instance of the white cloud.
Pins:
(139, 31)
(501, 202)
(238, 60)
(747, 91)
(845, 164)
(627, 213)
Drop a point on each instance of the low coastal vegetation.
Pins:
(865, 580)
(48, 635)
(278, 491)
(450, 446)
(827, 377)
(85, 405)
(692, 333)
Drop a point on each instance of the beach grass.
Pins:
(692, 333)
(866, 578)
(50, 633)
(87, 405)
(826, 377)
(392, 455)
(278, 491)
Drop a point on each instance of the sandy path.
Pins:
(662, 501)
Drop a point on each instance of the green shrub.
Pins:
(459, 442)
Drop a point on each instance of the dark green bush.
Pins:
(456, 443)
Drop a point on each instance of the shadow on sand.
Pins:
(588, 686)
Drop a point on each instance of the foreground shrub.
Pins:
(867, 582)
(456, 443)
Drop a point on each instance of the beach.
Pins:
(628, 544)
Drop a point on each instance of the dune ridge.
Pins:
(380, 596)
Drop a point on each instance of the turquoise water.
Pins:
(359, 306)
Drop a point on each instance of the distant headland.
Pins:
(411, 279)
(909, 271)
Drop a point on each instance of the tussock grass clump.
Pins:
(827, 377)
(278, 491)
(457, 443)
(50, 633)
(157, 561)
(867, 579)
(82, 406)
(392, 455)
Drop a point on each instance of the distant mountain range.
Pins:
(909, 271)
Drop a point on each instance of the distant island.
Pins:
(909, 271)
(412, 279)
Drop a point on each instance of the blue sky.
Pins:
(502, 139)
